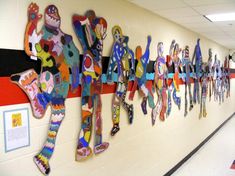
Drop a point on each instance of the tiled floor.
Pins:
(215, 157)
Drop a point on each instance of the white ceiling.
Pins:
(189, 13)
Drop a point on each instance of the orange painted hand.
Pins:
(33, 13)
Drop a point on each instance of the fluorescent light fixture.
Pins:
(221, 17)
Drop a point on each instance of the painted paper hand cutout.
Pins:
(160, 82)
(58, 56)
(91, 31)
(140, 78)
(120, 56)
(188, 65)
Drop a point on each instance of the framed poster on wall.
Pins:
(16, 129)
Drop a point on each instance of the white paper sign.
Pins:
(16, 129)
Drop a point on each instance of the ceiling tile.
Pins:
(228, 44)
(231, 33)
(177, 12)
(216, 35)
(206, 2)
(226, 26)
(216, 8)
(190, 19)
(225, 23)
(202, 26)
(228, 30)
(189, 14)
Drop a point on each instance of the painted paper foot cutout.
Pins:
(200, 115)
(151, 101)
(162, 113)
(169, 104)
(191, 107)
(15, 78)
(155, 111)
(101, 147)
(131, 114)
(83, 153)
(153, 115)
(42, 164)
(179, 105)
(204, 113)
(194, 101)
(28, 82)
(185, 113)
(115, 129)
(233, 165)
(162, 117)
(143, 106)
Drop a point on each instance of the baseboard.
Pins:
(178, 165)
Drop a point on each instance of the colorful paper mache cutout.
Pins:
(169, 63)
(197, 56)
(217, 80)
(141, 79)
(173, 84)
(187, 64)
(91, 31)
(122, 58)
(161, 84)
(204, 90)
(59, 69)
(210, 74)
(227, 76)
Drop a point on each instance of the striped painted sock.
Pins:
(42, 159)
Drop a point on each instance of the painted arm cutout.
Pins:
(145, 57)
(112, 63)
(82, 25)
(71, 54)
(32, 37)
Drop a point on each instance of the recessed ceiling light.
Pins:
(221, 17)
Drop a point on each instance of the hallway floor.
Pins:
(215, 157)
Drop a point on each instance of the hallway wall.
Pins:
(138, 149)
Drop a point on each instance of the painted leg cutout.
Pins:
(169, 103)
(144, 105)
(133, 90)
(176, 99)
(115, 115)
(164, 104)
(186, 101)
(99, 145)
(151, 101)
(156, 111)
(83, 149)
(43, 157)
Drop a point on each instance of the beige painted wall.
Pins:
(139, 149)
